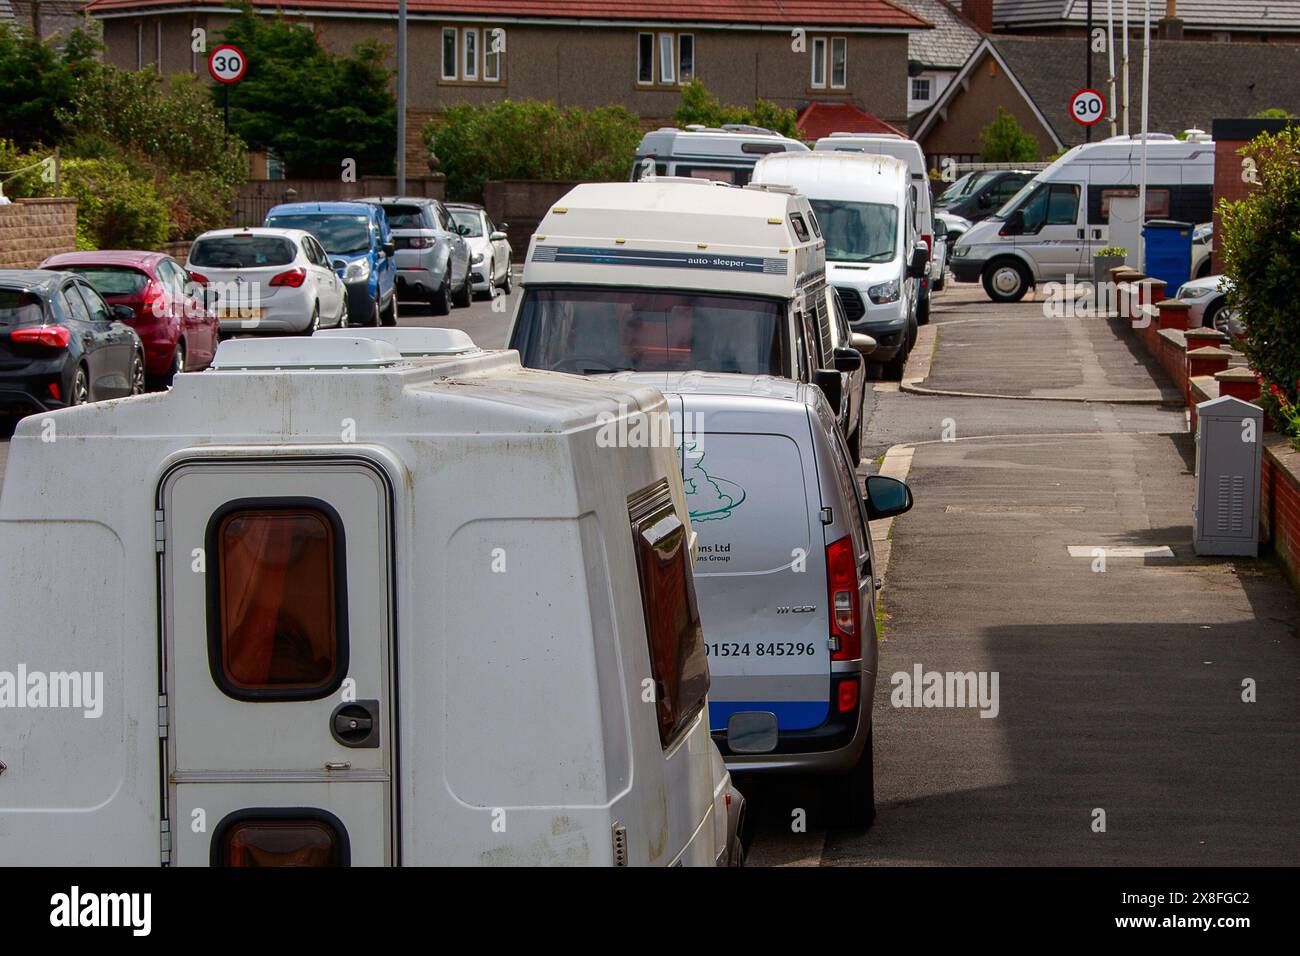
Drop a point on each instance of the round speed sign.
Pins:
(227, 63)
(1088, 107)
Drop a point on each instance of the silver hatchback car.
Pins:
(433, 258)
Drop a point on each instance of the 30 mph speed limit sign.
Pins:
(227, 63)
(1088, 107)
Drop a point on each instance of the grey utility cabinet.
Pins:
(1228, 446)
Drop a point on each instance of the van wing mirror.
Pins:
(886, 497)
(864, 343)
(920, 259)
(832, 386)
(847, 360)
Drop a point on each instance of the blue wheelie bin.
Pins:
(1168, 252)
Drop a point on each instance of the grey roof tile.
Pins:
(952, 40)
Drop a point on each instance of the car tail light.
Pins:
(199, 277)
(419, 242)
(842, 588)
(51, 336)
(294, 278)
(153, 296)
(846, 697)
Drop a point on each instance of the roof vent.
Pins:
(412, 342)
(320, 352)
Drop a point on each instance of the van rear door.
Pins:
(760, 575)
(278, 710)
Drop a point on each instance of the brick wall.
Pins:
(31, 229)
(1230, 135)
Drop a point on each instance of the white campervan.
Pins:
(726, 154)
(675, 275)
(1058, 221)
(328, 603)
(864, 205)
(909, 151)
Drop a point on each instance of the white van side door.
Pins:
(278, 709)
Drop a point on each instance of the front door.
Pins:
(1054, 231)
(278, 708)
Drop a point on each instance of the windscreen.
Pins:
(858, 231)
(19, 308)
(241, 252)
(468, 218)
(1018, 198)
(340, 234)
(589, 331)
(112, 280)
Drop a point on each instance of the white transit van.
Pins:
(675, 275)
(726, 154)
(864, 205)
(1059, 220)
(909, 151)
(325, 604)
(785, 576)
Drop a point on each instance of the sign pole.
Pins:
(401, 97)
(225, 101)
(1146, 98)
(1110, 52)
(1088, 53)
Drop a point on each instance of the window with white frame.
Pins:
(839, 62)
(921, 87)
(493, 46)
(472, 54)
(665, 59)
(469, 44)
(819, 63)
(830, 63)
(450, 46)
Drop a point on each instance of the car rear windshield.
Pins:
(19, 308)
(242, 252)
(339, 233)
(467, 217)
(407, 217)
(858, 231)
(112, 280)
(595, 330)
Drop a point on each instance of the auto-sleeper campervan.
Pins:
(328, 604)
(1059, 220)
(864, 204)
(726, 154)
(909, 151)
(673, 274)
(786, 578)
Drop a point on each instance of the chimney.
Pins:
(1170, 27)
(979, 12)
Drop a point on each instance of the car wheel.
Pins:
(178, 364)
(851, 797)
(505, 283)
(137, 374)
(892, 370)
(855, 445)
(936, 285)
(440, 301)
(490, 271)
(389, 315)
(465, 296)
(1217, 317)
(314, 324)
(1006, 280)
(80, 393)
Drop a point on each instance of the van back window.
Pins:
(589, 331)
(242, 252)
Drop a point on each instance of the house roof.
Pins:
(821, 119)
(6, 11)
(1260, 15)
(866, 14)
(952, 40)
(1247, 78)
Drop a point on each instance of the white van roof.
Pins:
(609, 233)
(891, 144)
(827, 175)
(738, 142)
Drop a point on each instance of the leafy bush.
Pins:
(1003, 141)
(1110, 251)
(530, 139)
(1261, 253)
(114, 209)
(36, 80)
(698, 105)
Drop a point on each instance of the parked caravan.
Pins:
(334, 605)
(669, 275)
(865, 206)
(1059, 220)
(909, 151)
(726, 154)
(786, 578)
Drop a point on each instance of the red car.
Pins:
(178, 330)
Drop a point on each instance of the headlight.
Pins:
(885, 292)
(960, 252)
(477, 258)
(357, 271)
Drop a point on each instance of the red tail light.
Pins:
(199, 277)
(51, 336)
(419, 242)
(846, 697)
(294, 278)
(154, 303)
(55, 392)
(842, 588)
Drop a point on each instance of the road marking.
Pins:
(1006, 510)
(1121, 551)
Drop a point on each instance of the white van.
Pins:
(673, 275)
(864, 205)
(339, 606)
(726, 154)
(786, 578)
(1059, 220)
(909, 151)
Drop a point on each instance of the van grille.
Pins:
(854, 310)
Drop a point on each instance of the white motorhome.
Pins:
(909, 151)
(726, 154)
(864, 204)
(329, 604)
(1059, 220)
(667, 275)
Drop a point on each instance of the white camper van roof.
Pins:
(611, 233)
(845, 176)
(745, 143)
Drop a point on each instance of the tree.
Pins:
(314, 108)
(1273, 112)
(1003, 141)
(698, 105)
(37, 80)
(1261, 254)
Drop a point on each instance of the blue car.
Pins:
(360, 246)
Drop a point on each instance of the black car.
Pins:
(61, 344)
(980, 194)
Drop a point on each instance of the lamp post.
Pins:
(401, 97)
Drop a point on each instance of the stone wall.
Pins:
(31, 229)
